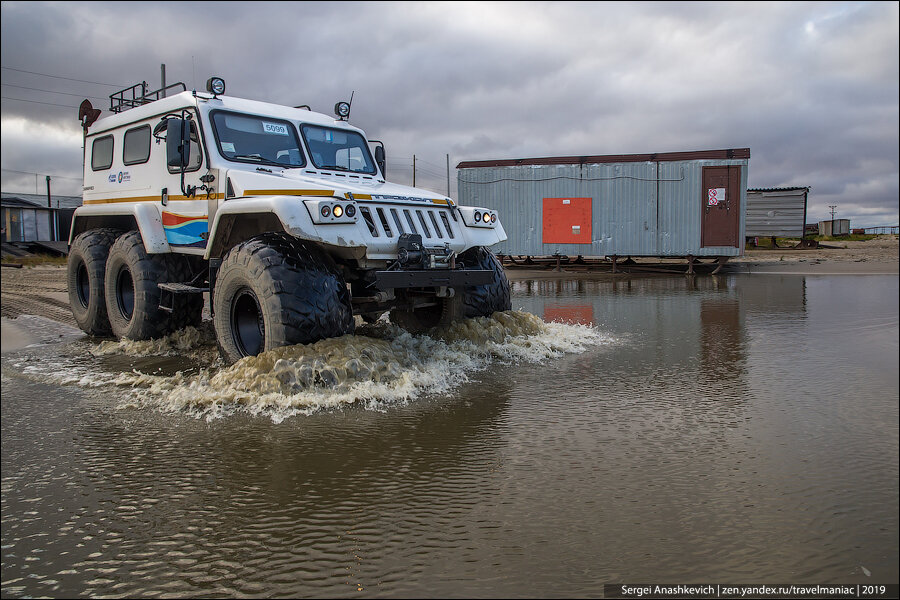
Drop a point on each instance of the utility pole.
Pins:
(50, 213)
(448, 174)
(414, 170)
(832, 207)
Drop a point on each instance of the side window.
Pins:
(102, 153)
(196, 158)
(136, 148)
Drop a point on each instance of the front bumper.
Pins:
(388, 280)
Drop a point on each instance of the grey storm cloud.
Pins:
(810, 88)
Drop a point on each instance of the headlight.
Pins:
(326, 210)
(493, 218)
(477, 217)
(342, 110)
(215, 85)
(338, 211)
(351, 210)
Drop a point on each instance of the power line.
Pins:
(32, 173)
(36, 102)
(115, 85)
(53, 91)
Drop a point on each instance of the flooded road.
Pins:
(731, 429)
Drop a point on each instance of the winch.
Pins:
(413, 254)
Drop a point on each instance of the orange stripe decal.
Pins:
(289, 193)
(153, 199)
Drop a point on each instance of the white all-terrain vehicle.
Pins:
(281, 214)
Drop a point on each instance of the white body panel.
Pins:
(170, 221)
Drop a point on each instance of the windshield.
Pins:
(257, 140)
(338, 149)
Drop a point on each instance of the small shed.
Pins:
(776, 212)
(672, 204)
(835, 227)
(28, 218)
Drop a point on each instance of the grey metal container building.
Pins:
(672, 204)
(776, 212)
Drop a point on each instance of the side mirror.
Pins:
(379, 158)
(178, 142)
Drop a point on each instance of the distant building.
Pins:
(834, 228)
(27, 218)
(776, 212)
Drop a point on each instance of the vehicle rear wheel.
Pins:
(275, 290)
(86, 274)
(133, 294)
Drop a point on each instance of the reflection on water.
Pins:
(739, 428)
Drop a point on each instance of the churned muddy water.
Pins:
(717, 429)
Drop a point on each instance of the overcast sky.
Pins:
(811, 89)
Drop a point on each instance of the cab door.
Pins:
(185, 218)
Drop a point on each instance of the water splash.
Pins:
(197, 342)
(382, 364)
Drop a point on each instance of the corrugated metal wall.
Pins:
(636, 211)
(780, 213)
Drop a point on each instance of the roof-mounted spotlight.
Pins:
(215, 86)
(342, 110)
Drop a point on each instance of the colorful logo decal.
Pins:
(185, 231)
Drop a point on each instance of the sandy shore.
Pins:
(879, 256)
(42, 290)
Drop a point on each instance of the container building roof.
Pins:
(610, 158)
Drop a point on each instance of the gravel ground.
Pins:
(36, 291)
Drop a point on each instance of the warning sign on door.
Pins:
(716, 195)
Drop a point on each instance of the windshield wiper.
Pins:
(259, 159)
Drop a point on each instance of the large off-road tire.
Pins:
(275, 290)
(133, 294)
(484, 300)
(86, 274)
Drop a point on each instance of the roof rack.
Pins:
(137, 95)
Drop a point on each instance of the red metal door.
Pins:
(721, 206)
(566, 221)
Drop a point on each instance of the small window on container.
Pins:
(102, 153)
(136, 148)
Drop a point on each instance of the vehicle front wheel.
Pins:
(274, 290)
(485, 300)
